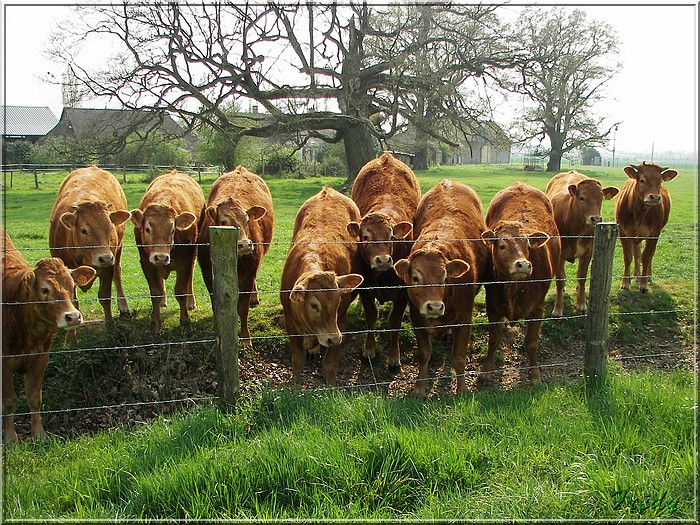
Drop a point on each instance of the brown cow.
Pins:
(525, 248)
(37, 303)
(319, 279)
(577, 200)
(443, 272)
(87, 227)
(166, 224)
(387, 193)
(240, 199)
(642, 211)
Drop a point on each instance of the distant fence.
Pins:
(226, 342)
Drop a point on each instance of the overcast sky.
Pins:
(654, 94)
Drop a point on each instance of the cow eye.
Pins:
(83, 231)
(641, 180)
(581, 199)
(148, 230)
(45, 290)
(415, 279)
(315, 307)
(365, 237)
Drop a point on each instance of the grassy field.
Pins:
(515, 452)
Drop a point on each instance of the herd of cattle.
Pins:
(386, 243)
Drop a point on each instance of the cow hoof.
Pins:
(394, 368)
(418, 393)
(557, 313)
(369, 354)
(643, 290)
(485, 379)
(125, 315)
(246, 343)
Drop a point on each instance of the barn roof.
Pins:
(22, 121)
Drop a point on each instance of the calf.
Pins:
(642, 211)
(165, 227)
(387, 193)
(524, 243)
(443, 272)
(577, 200)
(319, 279)
(87, 227)
(36, 304)
(240, 199)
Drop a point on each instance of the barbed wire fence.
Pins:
(229, 381)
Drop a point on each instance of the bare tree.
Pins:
(335, 72)
(567, 60)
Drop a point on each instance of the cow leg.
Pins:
(156, 287)
(636, 249)
(9, 403)
(496, 333)
(183, 294)
(245, 287)
(398, 307)
(254, 299)
(627, 250)
(647, 255)
(104, 292)
(561, 282)
(298, 357)
(423, 354)
(532, 333)
(33, 380)
(122, 303)
(330, 364)
(370, 308)
(460, 342)
(581, 274)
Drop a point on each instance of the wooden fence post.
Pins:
(36, 180)
(224, 260)
(596, 351)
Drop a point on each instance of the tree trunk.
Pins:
(420, 161)
(359, 150)
(555, 156)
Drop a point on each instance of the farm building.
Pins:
(23, 126)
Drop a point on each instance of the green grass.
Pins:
(531, 453)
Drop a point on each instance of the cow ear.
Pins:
(669, 175)
(573, 190)
(402, 267)
(403, 229)
(354, 229)
(211, 213)
(610, 192)
(69, 219)
(488, 237)
(631, 172)
(82, 275)
(119, 217)
(255, 213)
(347, 283)
(296, 295)
(185, 220)
(137, 217)
(457, 268)
(537, 239)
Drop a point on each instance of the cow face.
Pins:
(156, 226)
(377, 234)
(648, 179)
(53, 288)
(425, 272)
(231, 213)
(510, 249)
(92, 227)
(587, 198)
(316, 297)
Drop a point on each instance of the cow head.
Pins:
(231, 213)
(587, 198)
(510, 249)
(92, 226)
(316, 297)
(649, 178)
(377, 235)
(426, 271)
(156, 226)
(52, 287)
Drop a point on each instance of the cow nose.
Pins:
(106, 260)
(160, 259)
(653, 199)
(523, 266)
(331, 339)
(245, 247)
(383, 262)
(434, 308)
(595, 219)
(73, 318)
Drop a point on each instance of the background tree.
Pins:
(566, 62)
(337, 72)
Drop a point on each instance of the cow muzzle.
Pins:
(594, 219)
(103, 261)
(330, 339)
(160, 259)
(382, 263)
(652, 200)
(70, 320)
(245, 247)
(521, 269)
(432, 309)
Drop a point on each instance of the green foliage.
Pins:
(15, 152)
(62, 150)
(157, 148)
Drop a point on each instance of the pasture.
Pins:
(364, 451)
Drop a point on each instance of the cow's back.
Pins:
(11, 260)
(387, 185)
(177, 190)
(525, 204)
(88, 184)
